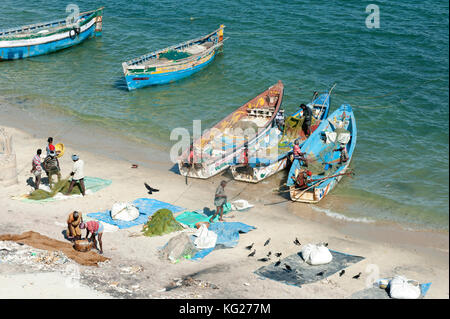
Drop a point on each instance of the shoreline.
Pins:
(154, 155)
(422, 255)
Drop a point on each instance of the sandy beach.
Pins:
(225, 273)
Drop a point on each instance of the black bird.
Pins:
(341, 273)
(297, 242)
(270, 253)
(357, 276)
(320, 273)
(150, 189)
(277, 263)
(267, 242)
(278, 254)
(288, 268)
(263, 259)
(250, 247)
(252, 254)
(325, 244)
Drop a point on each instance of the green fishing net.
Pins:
(174, 55)
(60, 187)
(162, 222)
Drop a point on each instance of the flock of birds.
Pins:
(286, 266)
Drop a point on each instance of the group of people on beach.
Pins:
(51, 167)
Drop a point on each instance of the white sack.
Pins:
(316, 254)
(205, 238)
(124, 211)
(400, 288)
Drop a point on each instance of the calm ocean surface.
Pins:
(395, 78)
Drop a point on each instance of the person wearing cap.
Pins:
(219, 200)
(73, 225)
(51, 167)
(307, 114)
(36, 168)
(94, 228)
(77, 175)
(50, 146)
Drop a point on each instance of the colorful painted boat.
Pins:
(269, 154)
(173, 63)
(218, 147)
(323, 160)
(43, 38)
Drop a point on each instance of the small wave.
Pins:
(332, 214)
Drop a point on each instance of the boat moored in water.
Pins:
(173, 63)
(43, 38)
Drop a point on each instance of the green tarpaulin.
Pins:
(192, 218)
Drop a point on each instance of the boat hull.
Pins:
(141, 80)
(258, 174)
(25, 48)
(317, 192)
(261, 109)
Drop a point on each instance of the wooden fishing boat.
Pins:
(269, 154)
(324, 159)
(173, 63)
(219, 146)
(43, 38)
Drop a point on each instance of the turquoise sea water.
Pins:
(395, 77)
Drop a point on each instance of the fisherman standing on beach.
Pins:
(36, 168)
(219, 200)
(307, 113)
(73, 225)
(50, 146)
(77, 175)
(96, 229)
(51, 166)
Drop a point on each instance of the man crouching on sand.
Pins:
(219, 200)
(73, 226)
(96, 229)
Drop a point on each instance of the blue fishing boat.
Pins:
(173, 63)
(43, 38)
(269, 154)
(328, 151)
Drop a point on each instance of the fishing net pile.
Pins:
(179, 248)
(162, 222)
(60, 187)
(317, 165)
(174, 55)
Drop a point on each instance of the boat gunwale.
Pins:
(169, 63)
(139, 60)
(13, 34)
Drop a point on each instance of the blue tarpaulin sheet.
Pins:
(146, 206)
(227, 236)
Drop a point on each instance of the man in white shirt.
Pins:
(77, 175)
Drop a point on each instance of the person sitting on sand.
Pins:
(50, 146)
(95, 228)
(77, 175)
(73, 225)
(36, 168)
(51, 166)
(219, 200)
